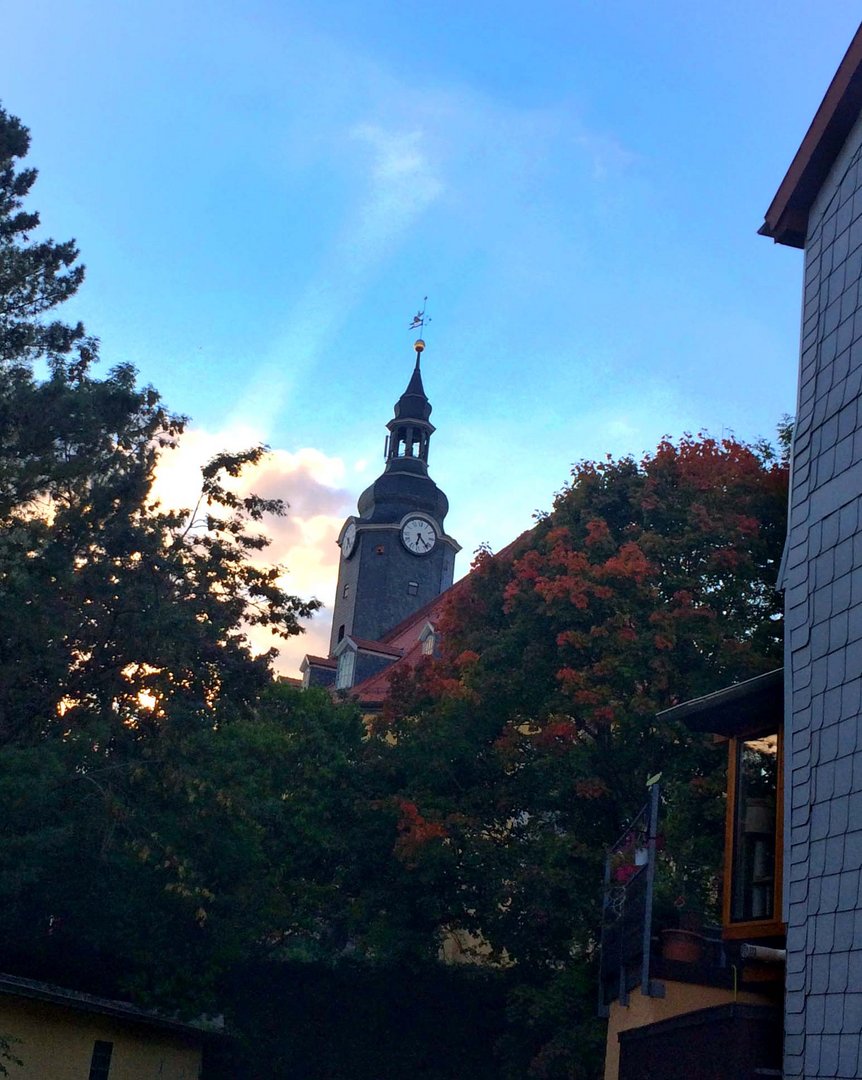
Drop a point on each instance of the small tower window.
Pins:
(345, 592)
(341, 632)
(412, 588)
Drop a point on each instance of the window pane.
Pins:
(753, 895)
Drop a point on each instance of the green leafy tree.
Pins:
(35, 276)
(154, 873)
(166, 809)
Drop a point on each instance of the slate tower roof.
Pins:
(404, 483)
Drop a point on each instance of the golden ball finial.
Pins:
(419, 345)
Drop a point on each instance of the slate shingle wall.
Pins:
(823, 660)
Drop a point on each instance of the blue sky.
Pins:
(263, 193)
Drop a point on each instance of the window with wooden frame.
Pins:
(753, 835)
(750, 716)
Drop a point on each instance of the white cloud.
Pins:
(404, 181)
(303, 541)
(621, 427)
(607, 154)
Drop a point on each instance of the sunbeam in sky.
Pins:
(263, 194)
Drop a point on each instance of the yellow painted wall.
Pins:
(56, 1043)
(679, 998)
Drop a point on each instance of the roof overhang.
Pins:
(372, 648)
(309, 661)
(734, 709)
(787, 217)
(12, 985)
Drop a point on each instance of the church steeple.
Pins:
(410, 429)
(395, 554)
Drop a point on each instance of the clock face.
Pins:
(418, 535)
(348, 541)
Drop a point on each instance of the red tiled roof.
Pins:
(321, 661)
(427, 613)
(374, 690)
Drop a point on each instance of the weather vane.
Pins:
(420, 319)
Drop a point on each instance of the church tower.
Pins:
(395, 554)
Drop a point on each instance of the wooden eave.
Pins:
(787, 217)
(734, 709)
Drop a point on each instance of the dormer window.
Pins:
(428, 638)
(345, 671)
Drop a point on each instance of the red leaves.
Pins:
(559, 537)
(726, 559)
(649, 581)
(597, 532)
(629, 562)
(570, 678)
(587, 697)
(414, 831)
(412, 689)
(561, 730)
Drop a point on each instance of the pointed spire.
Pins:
(410, 429)
(413, 403)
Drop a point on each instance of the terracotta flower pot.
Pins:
(684, 946)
